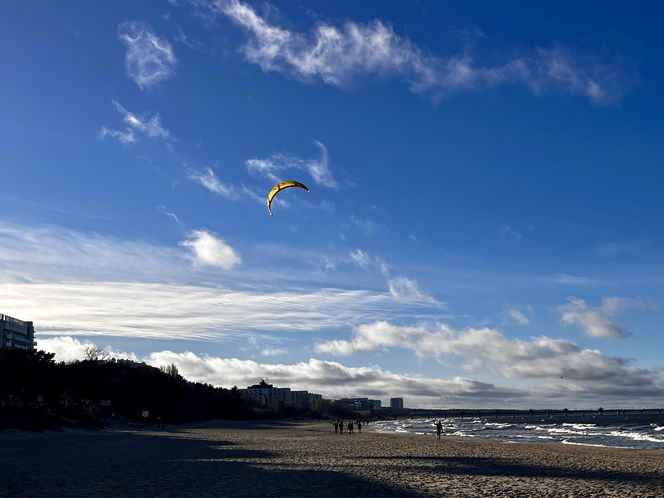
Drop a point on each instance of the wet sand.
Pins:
(282, 459)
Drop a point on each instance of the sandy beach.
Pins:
(301, 459)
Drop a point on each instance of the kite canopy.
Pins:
(279, 187)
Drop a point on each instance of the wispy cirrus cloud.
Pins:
(401, 288)
(74, 283)
(147, 124)
(149, 58)
(207, 249)
(599, 321)
(337, 55)
(318, 168)
(209, 180)
(516, 315)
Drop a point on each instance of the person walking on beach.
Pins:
(336, 427)
(439, 429)
(350, 428)
(341, 426)
(359, 427)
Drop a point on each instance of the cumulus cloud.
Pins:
(68, 349)
(599, 321)
(318, 168)
(335, 380)
(337, 55)
(209, 250)
(332, 379)
(148, 125)
(209, 180)
(487, 349)
(149, 58)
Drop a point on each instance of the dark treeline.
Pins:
(35, 390)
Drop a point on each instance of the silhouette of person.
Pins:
(359, 427)
(336, 427)
(341, 426)
(350, 427)
(439, 428)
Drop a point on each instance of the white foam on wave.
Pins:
(566, 441)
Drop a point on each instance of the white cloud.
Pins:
(187, 312)
(599, 321)
(334, 380)
(209, 180)
(68, 349)
(149, 125)
(339, 54)
(273, 352)
(406, 289)
(318, 168)
(361, 258)
(65, 348)
(149, 58)
(80, 284)
(566, 279)
(209, 250)
(125, 136)
(486, 350)
(518, 316)
(170, 214)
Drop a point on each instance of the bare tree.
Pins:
(93, 353)
(171, 370)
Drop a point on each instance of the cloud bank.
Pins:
(599, 321)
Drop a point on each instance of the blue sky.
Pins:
(484, 214)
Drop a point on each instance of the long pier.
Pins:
(539, 413)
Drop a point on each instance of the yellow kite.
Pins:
(279, 187)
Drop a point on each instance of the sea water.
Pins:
(620, 434)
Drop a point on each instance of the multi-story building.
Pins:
(359, 404)
(396, 403)
(304, 400)
(277, 398)
(15, 333)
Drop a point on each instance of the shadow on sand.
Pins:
(472, 466)
(166, 464)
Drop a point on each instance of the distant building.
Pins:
(15, 333)
(396, 403)
(359, 404)
(277, 398)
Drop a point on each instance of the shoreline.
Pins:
(277, 458)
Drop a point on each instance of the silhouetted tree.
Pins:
(93, 353)
(171, 370)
